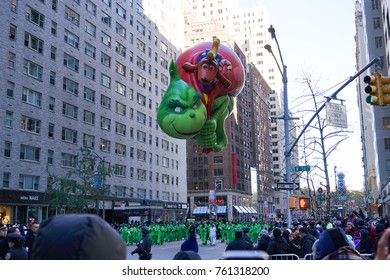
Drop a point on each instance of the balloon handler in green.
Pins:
(195, 107)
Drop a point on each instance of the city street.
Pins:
(168, 250)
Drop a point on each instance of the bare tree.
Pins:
(322, 142)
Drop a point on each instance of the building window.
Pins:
(69, 110)
(14, 5)
(53, 28)
(89, 141)
(141, 136)
(141, 81)
(90, 7)
(105, 59)
(11, 60)
(141, 117)
(72, 16)
(33, 42)
(52, 102)
(106, 40)
(105, 102)
(69, 135)
(70, 86)
(30, 124)
(141, 28)
(120, 30)
(105, 145)
(28, 182)
(120, 150)
(120, 108)
(51, 130)
(71, 39)
(52, 78)
(105, 123)
(32, 97)
(10, 89)
(50, 156)
(106, 81)
(106, 19)
(32, 69)
(53, 52)
(7, 149)
(89, 117)
(120, 68)
(71, 62)
(107, 2)
(387, 143)
(6, 179)
(34, 16)
(120, 128)
(89, 94)
(68, 160)
(90, 28)
(29, 153)
(386, 122)
(89, 72)
(120, 49)
(141, 174)
(90, 50)
(120, 88)
(387, 164)
(8, 119)
(121, 11)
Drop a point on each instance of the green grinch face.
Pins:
(181, 113)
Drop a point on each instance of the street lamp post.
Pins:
(286, 117)
(102, 164)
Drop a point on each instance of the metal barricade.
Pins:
(284, 257)
(308, 257)
(368, 256)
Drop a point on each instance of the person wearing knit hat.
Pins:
(333, 245)
(190, 244)
(262, 243)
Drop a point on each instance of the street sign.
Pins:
(336, 115)
(287, 186)
(302, 168)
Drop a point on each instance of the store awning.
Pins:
(239, 209)
(200, 210)
(221, 210)
(252, 210)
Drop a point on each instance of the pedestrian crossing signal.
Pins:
(304, 203)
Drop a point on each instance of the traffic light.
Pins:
(304, 203)
(378, 87)
(292, 202)
(373, 88)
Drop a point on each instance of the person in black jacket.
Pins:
(238, 243)
(30, 238)
(77, 237)
(277, 244)
(16, 251)
(144, 247)
(262, 243)
(307, 242)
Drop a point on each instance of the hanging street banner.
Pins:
(336, 115)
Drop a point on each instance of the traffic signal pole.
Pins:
(376, 61)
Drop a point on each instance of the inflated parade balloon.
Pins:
(212, 73)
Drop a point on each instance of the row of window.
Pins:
(32, 153)
(31, 182)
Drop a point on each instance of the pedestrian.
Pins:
(295, 244)
(307, 242)
(213, 234)
(190, 244)
(245, 235)
(262, 243)
(187, 255)
(333, 245)
(277, 244)
(365, 245)
(16, 251)
(238, 243)
(78, 237)
(3, 242)
(30, 238)
(144, 247)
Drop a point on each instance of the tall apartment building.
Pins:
(372, 39)
(89, 73)
(249, 28)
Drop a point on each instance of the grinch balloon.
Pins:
(204, 81)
